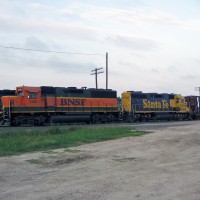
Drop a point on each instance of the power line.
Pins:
(47, 51)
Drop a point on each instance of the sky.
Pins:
(152, 45)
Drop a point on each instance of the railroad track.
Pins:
(153, 125)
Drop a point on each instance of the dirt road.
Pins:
(163, 165)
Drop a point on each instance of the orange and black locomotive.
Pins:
(40, 105)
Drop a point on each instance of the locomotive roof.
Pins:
(151, 93)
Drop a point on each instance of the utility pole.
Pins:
(106, 70)
(96, 72)
(198, 89)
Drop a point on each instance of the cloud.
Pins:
(192, 25)
(172, 69)
(131, 15)
(61, 65)
(81, 21)
(38, 7)
(188, 77)
(48, 20)
(125, 3)
(48, 27)
(155, 71)
(133, 42)
(197, 60)
(35, 43)
(35, 61)
(125, 63)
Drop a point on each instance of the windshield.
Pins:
(20, 92)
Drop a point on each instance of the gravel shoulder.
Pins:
(162, 165)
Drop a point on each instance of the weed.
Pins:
(20, 140)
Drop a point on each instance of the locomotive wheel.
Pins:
(36, 122)
(14, 122)
(131, 119)
(140, 119)
(95, 119)
(144, 118)
(110, 118)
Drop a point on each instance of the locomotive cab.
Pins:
(180, 104)
(22, 108)
(28, 92)
(28, 96)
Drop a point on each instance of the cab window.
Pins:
(32, 95)
(20, 92)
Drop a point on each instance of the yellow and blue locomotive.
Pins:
(139, 106)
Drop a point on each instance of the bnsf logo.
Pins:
(72, 102)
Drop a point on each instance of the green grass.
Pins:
(40, 139)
